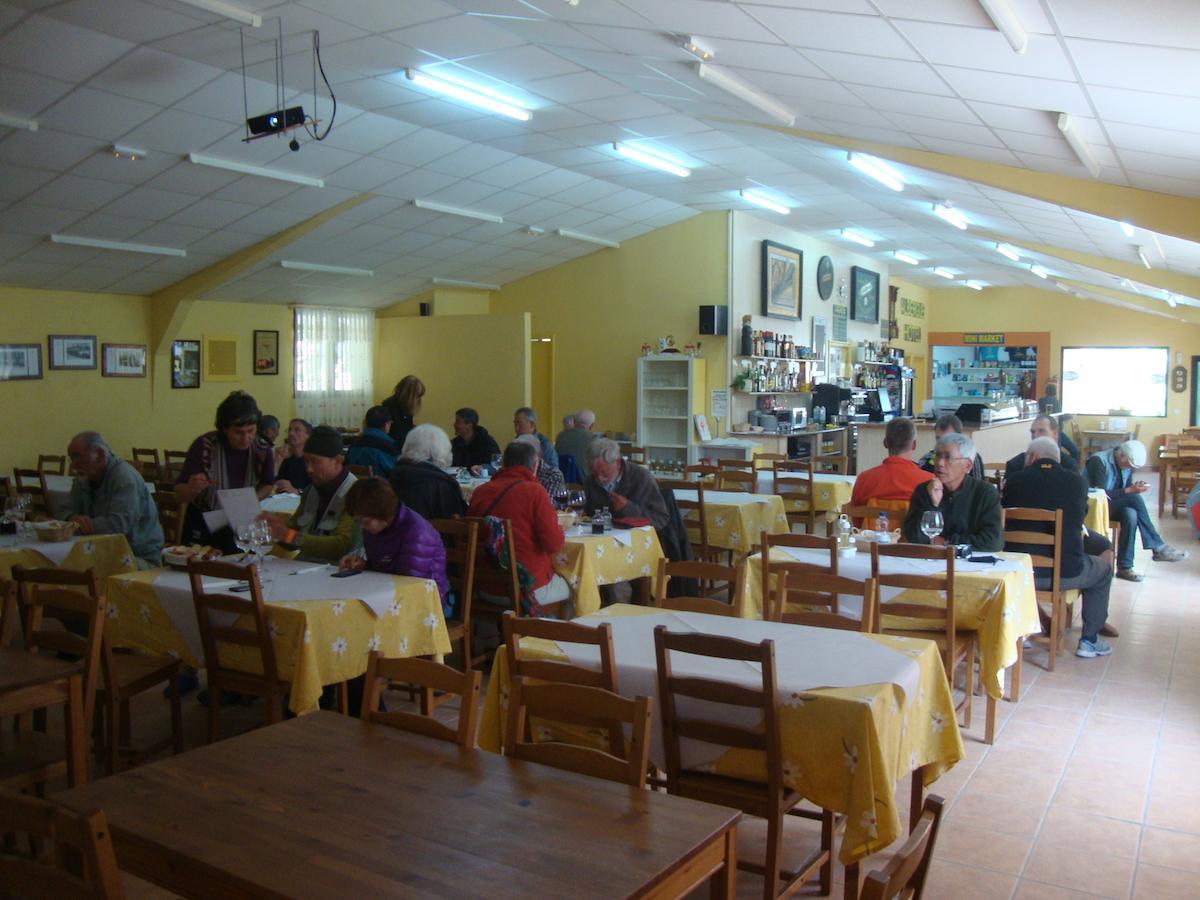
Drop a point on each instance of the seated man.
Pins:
(949, 424)
(1043, 426)
(626, 489)
(525, 422)
(1112, 471)
(575, 440)
(515, 494)
(548, 476)
(472, 447)
(374, 447)
(970, 507)
(321, 528)
(268, 431)
(897, 476)
(1044, 483)
(108, 496)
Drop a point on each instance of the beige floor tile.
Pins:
(995, 812)
(1170, 809)
(948, 881)
(1116, 800)
(1028, 784)
(1070, 865)
(1047, 759)
(984, 848)
(1174, 849)
(1064, 824)
(1051, 716)
(1158, 883)
(1038, 735)
(1035, 890)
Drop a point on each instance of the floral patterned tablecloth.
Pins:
(843, 748)
(108, 554)
(587, 561)
(735, 520)
(1097, 511)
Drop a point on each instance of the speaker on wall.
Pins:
(714, 320)
(426, 310)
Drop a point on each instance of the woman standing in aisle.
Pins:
(403, 405)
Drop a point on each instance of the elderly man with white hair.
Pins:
(627, 489)
(1043, 483)
(419, 477)
(575, 442)
(1112, 472)
(970, 507)
(110, 497)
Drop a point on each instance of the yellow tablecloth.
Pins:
(843, 748)
(1097, 512)
(317, 642)
(587, 561)
(108, 554)
(830, 491)
(999, 606)
(737, 526)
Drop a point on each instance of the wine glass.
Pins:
(562, 498)
(576, 501)
(931, 523)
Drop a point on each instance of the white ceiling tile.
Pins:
(512, 172)
(367, 133)
(213, 213)
(1134, 23)
(949, 108)
(834, 31)
(252, 189)
(520, 64)
(376, 55)
(367, 173)
(420, 147)
(314, 159)
(97, 114)
(48, 150)
(526, 144)
(1033, 143)
(113, 228)
(1165, 69)
(628, 39)
(149, 203)
(170, 234)
(415, 183)
(614, 109)
(550, 34)
(1144, 108)
(186, 178)
(469, 194)
(21, 180)
(434, 113)
(1154, 140)
(154, 77)
(576, 87)
(1136, 161)
(26, 94)
(703, 17)
(898, 74)
(468, 160)
(50, 47)
(772, 57)
(174, 131)
(987, 49)
(925, 127)
(376, 93)
(1017, 90)
(456, 37)
(1013, 118)
(131, 20)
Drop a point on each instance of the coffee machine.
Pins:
(831, 397)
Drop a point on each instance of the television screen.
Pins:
(885, 400)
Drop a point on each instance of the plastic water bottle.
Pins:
(883, 528)
(844, 536)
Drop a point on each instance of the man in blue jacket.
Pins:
(374, 447)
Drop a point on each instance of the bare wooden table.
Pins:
(29, 681)
(325, 805)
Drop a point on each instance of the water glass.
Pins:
(931, 523)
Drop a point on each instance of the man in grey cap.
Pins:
(1112, 471)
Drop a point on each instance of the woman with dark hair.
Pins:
(403, 405)
(290, 474)
(226, 458)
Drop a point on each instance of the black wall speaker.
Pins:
(714, 320)
(425, 310)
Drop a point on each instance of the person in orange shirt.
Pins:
(897, 476)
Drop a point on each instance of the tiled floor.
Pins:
(1093, 785)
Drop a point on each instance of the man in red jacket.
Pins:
(515, 494)
(897, 476)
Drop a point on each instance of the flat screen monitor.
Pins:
(885, 400)
(879, 405)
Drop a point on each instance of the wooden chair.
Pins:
(772, 800)
(1043, 528)
(28, 757)
(935, 622)
(793, 482)
(171, 512)
(429, 677)
(173, 461)
(82, 863)
(258, 675)
(811, 599)
(361, 471)
(994, 472)
(702, 472)
(146, 461)
(51, 465)
(834, 464)
(734, 577)
(1185, 473)
(461, 538)
(864, 516)
(765, 462)
(586, 707)
(637, 455)
(740, 465)
(736, 480)
(904, 876)
(773, 564)
(693, 512)
(33, 483)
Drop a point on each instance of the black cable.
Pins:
(333, 114)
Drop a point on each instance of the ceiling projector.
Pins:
(273, 122)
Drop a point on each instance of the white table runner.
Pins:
(766, 481)
(55, 551)
(726, 498)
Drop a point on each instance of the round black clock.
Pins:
(825, 278)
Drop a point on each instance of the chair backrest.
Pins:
(763, 737)
(741, 465)
(51, 465)
(702, 472)
(8, 611)
(83, 863)
(213, 611)
(173, 461)
(560, 633)
(146, 461)
(772, 563)
(864, 516)
(806, 598)
(765, 462)
(940, 616)
(792, 482)
(1046, 533)
(636, 455)
(72, 600)
(692, 511)
(736, 480)
(994, 472)
(33, 483)
(489, 577)
(589, 707)
(703, 572)
(171, 512)
(361, 471)
(428, 676)
(904, 875)
(461, 539)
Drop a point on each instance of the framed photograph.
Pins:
(781, 271)
(185, 364)
(839, 358)
(72, 351)
(266, 352)
(123, 360)
(20, 362)
(864, 295)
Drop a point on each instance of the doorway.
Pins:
(541, 383)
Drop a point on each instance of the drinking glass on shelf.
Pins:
(931, 523)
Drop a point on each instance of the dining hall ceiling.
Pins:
(933, 76)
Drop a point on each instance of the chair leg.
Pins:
(112, 715)
(969, 686)
(771, 863)
(827, 848)
(343, 698)
(274, 711)
(989, 725)
(1052, 649)
(176, 714)
(214, 706)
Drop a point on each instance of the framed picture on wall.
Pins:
(185, 364)
(864, 295)
(72, 351)
(782, 268)
(123, 360)
(266, 352)
(818, 336)
(20, 362)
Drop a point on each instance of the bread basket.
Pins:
(53, 532)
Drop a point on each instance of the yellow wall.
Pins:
(42, 416)
(1072, 321)
(476, 361)
(443, 301)
(602, 307)
(916, 349)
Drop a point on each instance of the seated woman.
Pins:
(419, 477)
(290, 474)
(395, 539)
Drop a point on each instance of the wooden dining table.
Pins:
(30, 681)
(329, 806)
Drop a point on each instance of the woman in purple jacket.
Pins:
(395, 539)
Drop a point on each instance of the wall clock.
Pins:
(825, 278)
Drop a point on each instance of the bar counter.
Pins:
(996, 443)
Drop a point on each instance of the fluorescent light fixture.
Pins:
(698, 49)
(474, 285)
(1141, 254)
(458, 211)
(587, 238)
(8, 121)
(1039, 271)
(856, 237)
(98, 243)
(731, 84)
(534, 230)
(1005, 19)
(1162, 254)
(877, 169)
(228, 10)
(974, 285)
(944, 273)
(760, 199)
(1170, 299)
(651, 160)
(906, 257)
(476, 97)
(233, 166)
(1126, 228)
(948, 213)
(1006, 250)
(122, 151)
(1062, 286)
(321, 267)
(1081, 149)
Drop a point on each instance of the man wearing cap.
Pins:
(320, 527)
(1112, 471)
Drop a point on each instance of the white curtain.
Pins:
(333, 364)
